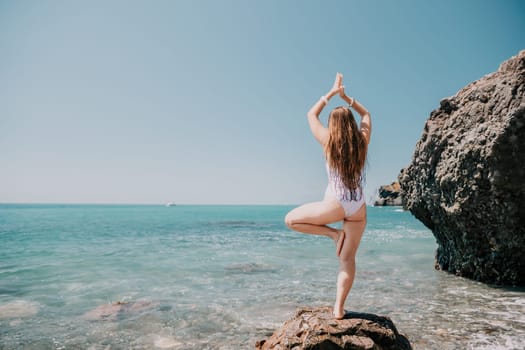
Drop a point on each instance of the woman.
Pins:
(345, 147)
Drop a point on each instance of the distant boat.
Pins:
(170, 204)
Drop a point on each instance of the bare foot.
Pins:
(339, 315)
(339, 242)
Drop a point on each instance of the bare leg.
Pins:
(354, 227)
(313, 218)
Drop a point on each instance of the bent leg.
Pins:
(313, 218)
(354, 227)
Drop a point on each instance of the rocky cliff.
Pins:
(317, 329)
(466, 179)
(389, 195)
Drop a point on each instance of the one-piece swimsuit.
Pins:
(338, 191)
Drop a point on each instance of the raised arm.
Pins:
(366, 120)
(318, 130)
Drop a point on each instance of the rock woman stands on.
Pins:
(345, 147)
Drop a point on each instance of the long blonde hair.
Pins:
(346, 149)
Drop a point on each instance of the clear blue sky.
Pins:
(206, 101)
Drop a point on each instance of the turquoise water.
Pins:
(222, 277)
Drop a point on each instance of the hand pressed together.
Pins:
(338, 85)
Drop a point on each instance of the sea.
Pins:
(223, 277)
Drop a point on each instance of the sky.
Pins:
(204, 102)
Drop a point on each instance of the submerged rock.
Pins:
(118, 310)
(18, 309)
(249, 268)
(316, 328)
(466, 179)
(389, 195)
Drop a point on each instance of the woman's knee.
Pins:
(289, 219)
(349, 251)
(347, 261)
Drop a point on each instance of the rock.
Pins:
(162, 342)
(18, 309)
(249, 268)
(389, 195)
(118, 310)
(466, 179)
(316, 328)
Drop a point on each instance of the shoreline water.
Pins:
(222, 277)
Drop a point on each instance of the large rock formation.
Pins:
(466, 179)
(389, 195)
(317, 329)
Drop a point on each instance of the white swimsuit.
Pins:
(338, 191)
